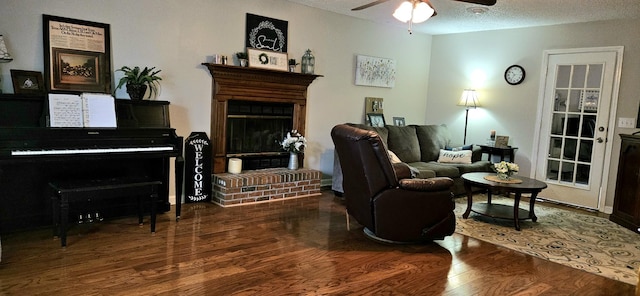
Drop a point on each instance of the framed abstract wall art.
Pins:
(373, 71)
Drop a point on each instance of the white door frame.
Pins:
(612, 112)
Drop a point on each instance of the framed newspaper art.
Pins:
(77, 55)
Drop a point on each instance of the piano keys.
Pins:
(32, 154)
(90, 151)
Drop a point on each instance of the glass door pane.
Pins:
(573, 125)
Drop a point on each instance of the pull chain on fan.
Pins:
(414, 12)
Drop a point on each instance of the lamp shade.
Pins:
(403, 12)
(422, 12)
(469, 99)
(4, 53)
(415, 13)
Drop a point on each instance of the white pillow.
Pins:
(462, 156)
(393, 157)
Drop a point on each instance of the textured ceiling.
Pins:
(454, 17)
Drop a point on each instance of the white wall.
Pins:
(177, 36)
(511, 110)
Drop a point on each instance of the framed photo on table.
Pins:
(398, 121)
(27, 82)
(376, 119)
(502, 141)
(77, 55)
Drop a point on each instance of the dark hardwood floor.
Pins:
(297, 247)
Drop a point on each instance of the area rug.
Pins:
(570, 237)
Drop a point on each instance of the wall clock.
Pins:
(514, 74)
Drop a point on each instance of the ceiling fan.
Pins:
(417, 11)
(481, 2)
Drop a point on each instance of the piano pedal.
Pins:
(99, 217)
(80, 219)
(89, 219)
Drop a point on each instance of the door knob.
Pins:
(601, 128)
(600, 140)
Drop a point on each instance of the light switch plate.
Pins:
(626, 122)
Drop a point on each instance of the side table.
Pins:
(499, 151)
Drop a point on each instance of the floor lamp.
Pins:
(469, 99)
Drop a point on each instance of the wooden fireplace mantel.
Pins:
(252, 84)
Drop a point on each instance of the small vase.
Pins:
(293, 161)
(504, 176)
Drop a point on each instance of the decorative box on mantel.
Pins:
(250, 187)
(252, 85)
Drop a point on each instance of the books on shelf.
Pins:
(85, 110)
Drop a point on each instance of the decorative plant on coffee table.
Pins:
(138, 80)
(505, 170)
(293, 143)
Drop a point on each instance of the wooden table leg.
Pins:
(467, 187)
(532, 202)
(516, 209)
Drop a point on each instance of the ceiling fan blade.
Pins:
(481, 2)
(369, 5)
(434, 9)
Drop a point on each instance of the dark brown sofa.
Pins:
(419, 146)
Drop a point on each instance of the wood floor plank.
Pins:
(295, 247)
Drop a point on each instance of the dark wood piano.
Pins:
(32, 154)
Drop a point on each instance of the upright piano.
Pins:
(32, 154)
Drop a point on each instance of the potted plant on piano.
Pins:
(138, 80)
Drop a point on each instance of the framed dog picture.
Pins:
(27, 82)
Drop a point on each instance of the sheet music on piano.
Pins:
(86, 110)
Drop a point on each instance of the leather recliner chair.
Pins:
(383, 197)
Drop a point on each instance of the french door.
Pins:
(572, 144)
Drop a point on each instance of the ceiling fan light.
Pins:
(404, 12)
(422, 12)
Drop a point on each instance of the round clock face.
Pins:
(514, 74)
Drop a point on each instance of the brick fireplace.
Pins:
(264, 89)
(251, 109)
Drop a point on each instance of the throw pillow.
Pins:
(463, 156)
(404, 142)
(432, 138)
(393, 157)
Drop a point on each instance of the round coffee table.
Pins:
(497, 210)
